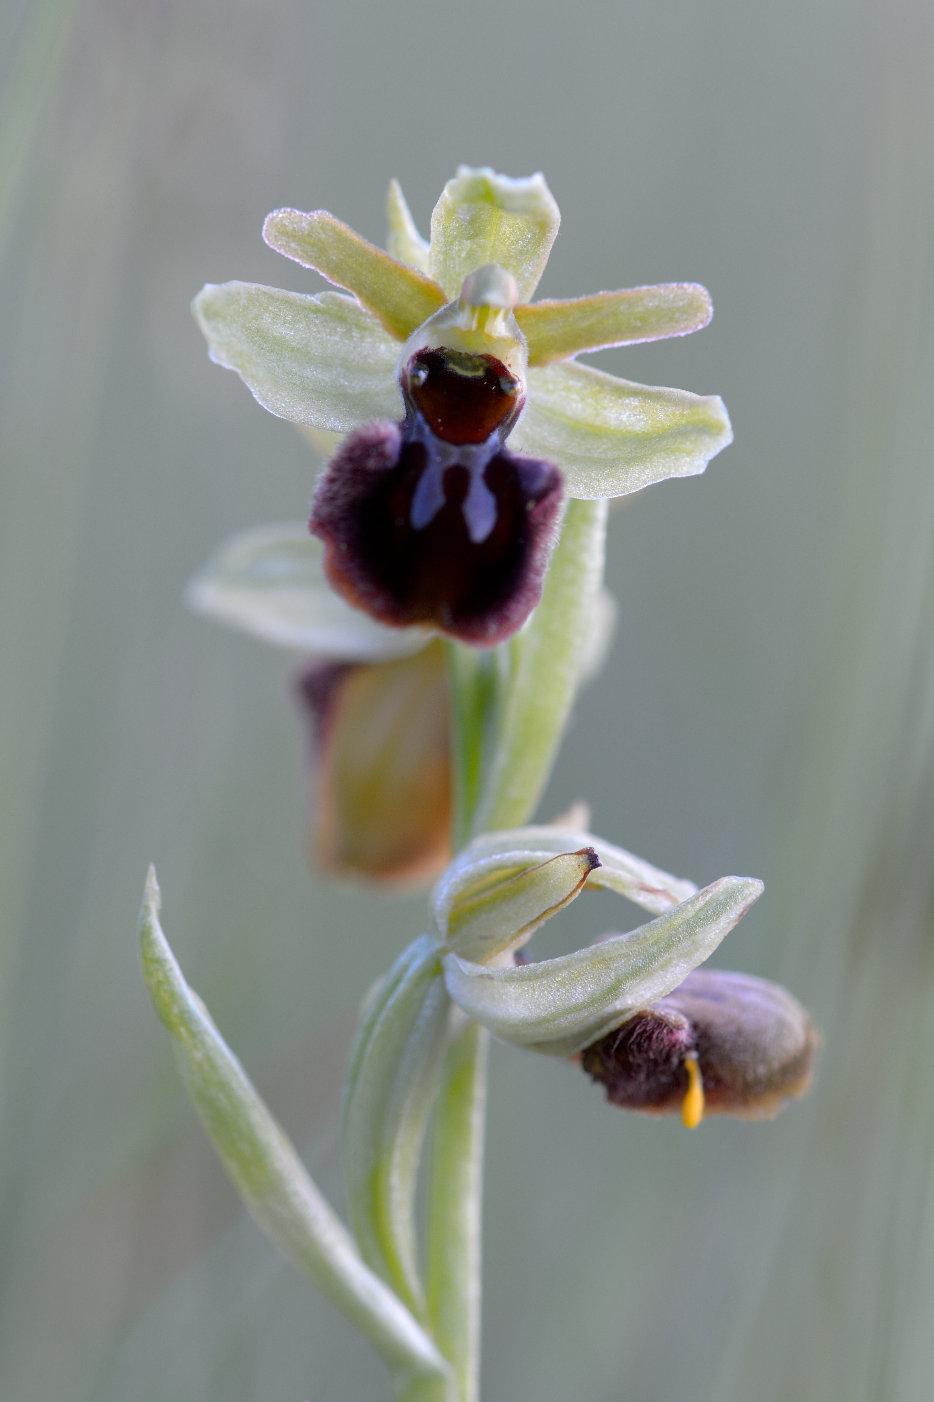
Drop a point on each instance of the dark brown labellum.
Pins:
(434, 521)
(747, 1041)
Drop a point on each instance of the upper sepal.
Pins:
(483, 217)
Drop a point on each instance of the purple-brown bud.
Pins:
(721, 1043)
(382, 766)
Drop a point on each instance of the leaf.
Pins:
(264, 1166)
(391, 1087)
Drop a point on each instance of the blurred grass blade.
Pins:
(30, 83)
(391, 1087)
(264, 1165)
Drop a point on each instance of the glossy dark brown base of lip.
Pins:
(435, 575)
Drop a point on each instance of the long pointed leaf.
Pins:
(263, 1164)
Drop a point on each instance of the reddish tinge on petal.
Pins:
(420, 530)
(381, 766)
(722, 1042)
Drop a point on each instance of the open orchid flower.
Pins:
(435, 360)
(660, 1033)
(376, 700)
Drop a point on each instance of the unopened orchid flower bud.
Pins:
(720, 1043)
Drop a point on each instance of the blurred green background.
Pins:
(768, 707)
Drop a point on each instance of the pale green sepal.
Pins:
(483, 217)
(611, 437)
(561, 1005)
(398, 295)
(391, 1086)
(546, 659)
(269, 582)
(485, 918)
(266, 1169)
(321, 360)
(404, 241)
(557, 330)
(494, 857)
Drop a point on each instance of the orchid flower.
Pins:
(435, 358)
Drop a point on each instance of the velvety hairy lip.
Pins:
(469, 561)
(738, 1044)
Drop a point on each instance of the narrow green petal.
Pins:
(559, 329)
(269, 582)
(404, 241)
(263, 1164)
(494, 857)
(399, 296)
(481, 919)
(319, 360)
(483, 218)
(611, 437)
(391, 1086)
(561, 1005)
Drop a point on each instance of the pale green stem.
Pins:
(453, 1284)
(454, 1221)
(473, 677)
(509, 709)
